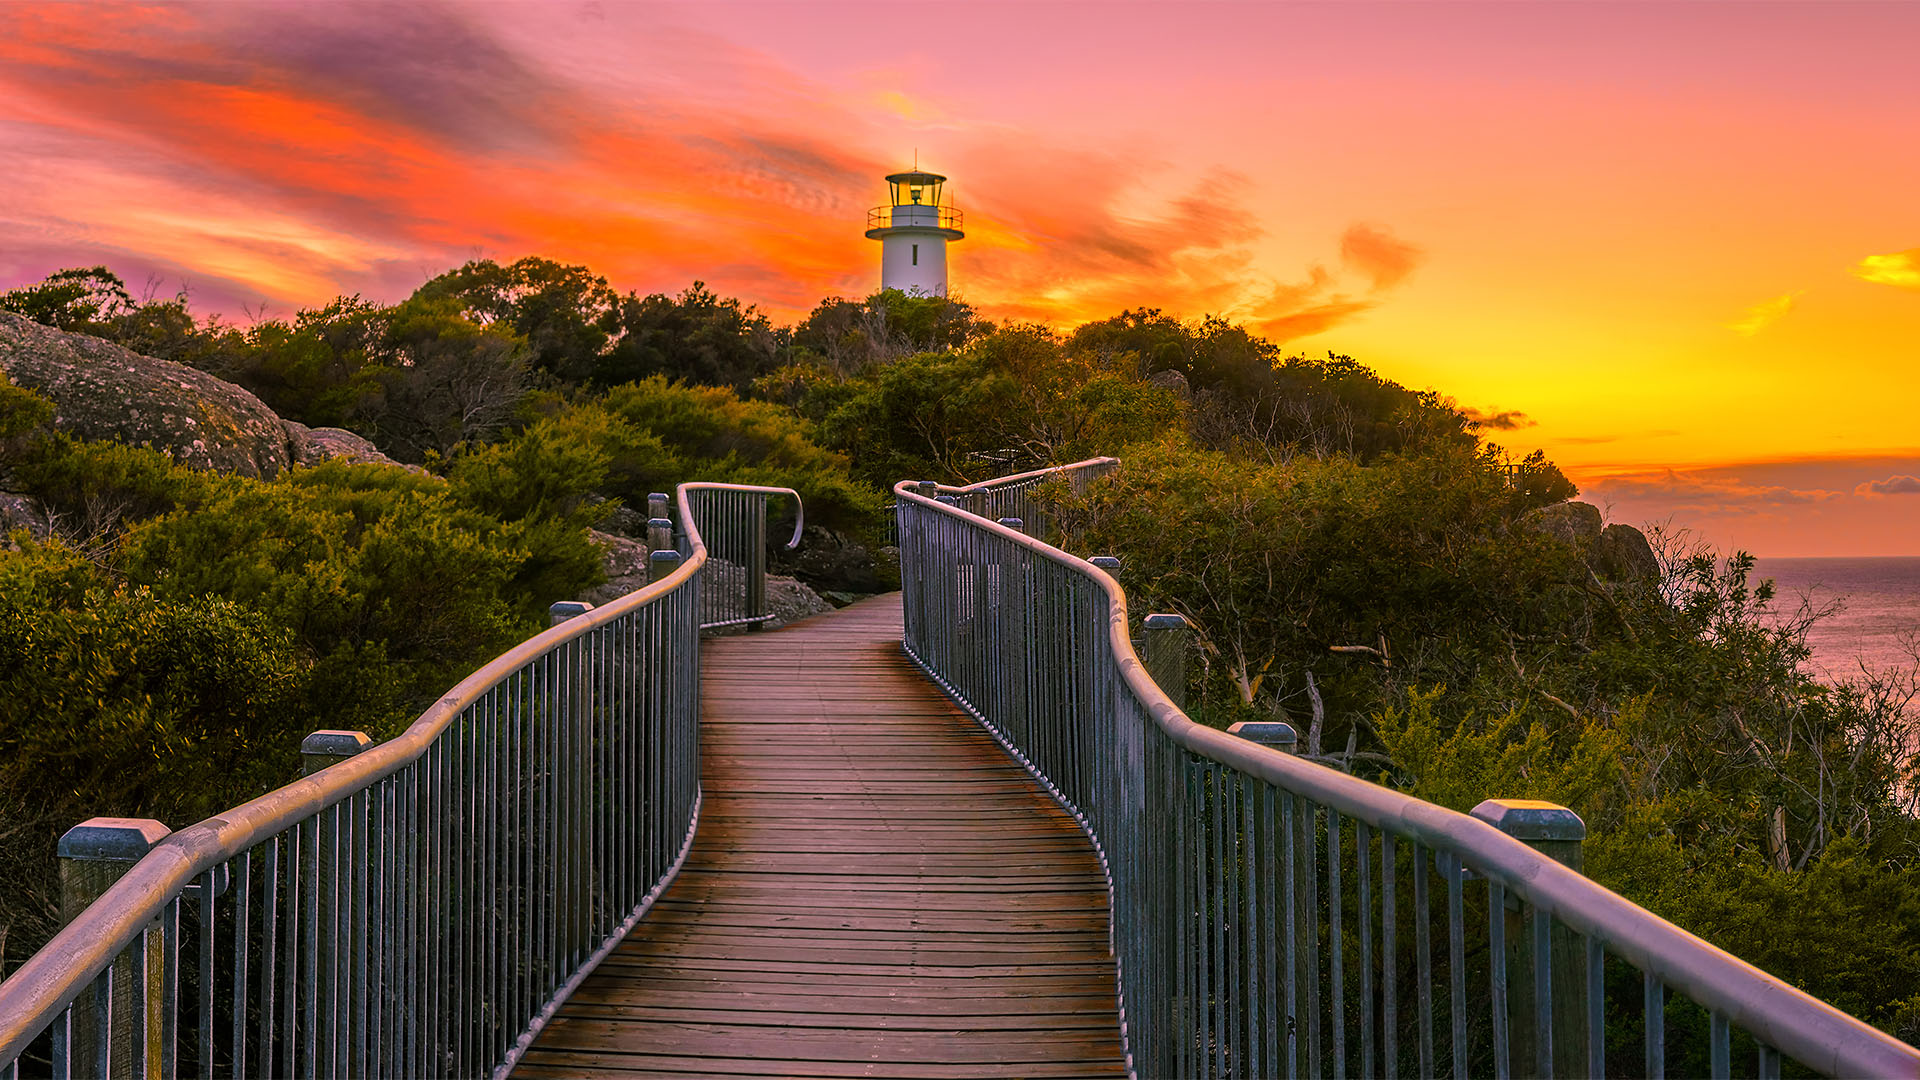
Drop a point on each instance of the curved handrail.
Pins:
(1809, 1030)
(42, 988)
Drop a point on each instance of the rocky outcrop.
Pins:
(1623, 554)
(1616, 552)
(829, 561)
(104, 392)
(311, 446)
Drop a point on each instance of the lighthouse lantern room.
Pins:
(913, 232)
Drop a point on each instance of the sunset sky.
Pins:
(1677, 246)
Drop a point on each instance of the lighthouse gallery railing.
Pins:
(423, 908)
(1272, 917)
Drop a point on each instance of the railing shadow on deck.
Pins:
(422, 907)
(1273, 917)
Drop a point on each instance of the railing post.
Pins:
(126, 1038)
(660, 534)
(1108, 563)
(1164, 652)
(1275, 733)
(928, 489)
(657, 503)
(661, 563)
(562, 610)
(329, 747)
(1557, 833)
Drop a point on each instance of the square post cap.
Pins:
(1166, 620)
(1106, 562)
(659, 495)
(1013, 523)
(112, 839)
(659, 523)
(562, 610)
(927, 488)
(948, 499)
(1275, 733)
(338, 744)
(664, 555)
(1531, 820)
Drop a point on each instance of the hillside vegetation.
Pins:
(1355, 556)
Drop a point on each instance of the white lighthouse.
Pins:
(913, 232)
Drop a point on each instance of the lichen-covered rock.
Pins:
(1625, 555)
(21, 512)
(311, 446)
(104, 392)
(1575, 524)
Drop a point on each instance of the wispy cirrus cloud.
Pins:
(1900, 269)
(1892, 485)
(1764, 314)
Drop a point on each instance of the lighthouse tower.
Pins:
(913, 232)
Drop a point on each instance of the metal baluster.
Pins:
(1543, 991)
(1497, 968)
(1768, 1065)
(60, 1050)
(1289, 831)
(1249, 941)
(1596, 1008)
(1456, 960)
(1423, 958)
(169, 988)
(1335, 944)
(207, 932)
(1655, 996)
(1310, 896)
(270, 952)
(1389, 960)
(1720, 1047)
(1217, 882)
(1363, 863)
(242, 870)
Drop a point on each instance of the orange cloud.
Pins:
(1764, 314)
(1892, 485)
(1900, 269)
(1500, 419)
(1379, 255)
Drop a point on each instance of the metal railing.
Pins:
(915, 214)
(1271, 917)
(422, 907)
(1008, 496)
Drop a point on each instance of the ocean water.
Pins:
(1880, 600)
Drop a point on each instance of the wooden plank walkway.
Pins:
(875, 889)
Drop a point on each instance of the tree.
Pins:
(699, 337)
(565, 313)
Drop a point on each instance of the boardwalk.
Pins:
(875, 890)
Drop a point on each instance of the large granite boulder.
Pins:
(1575, 524)
(1624, 554)
(1615, 552)
(104, 392)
